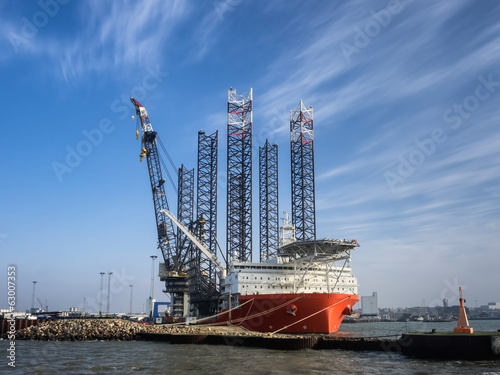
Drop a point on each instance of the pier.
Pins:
(451, 345)
(280, 342)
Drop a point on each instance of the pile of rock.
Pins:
(181, 329)
(81, 329)
(119, 329)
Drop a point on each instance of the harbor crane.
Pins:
(44, 308)
(174, 269)
(185, 278)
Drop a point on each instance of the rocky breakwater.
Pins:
(82, 329)
(181, 329)
(116, 329)
(121, 330)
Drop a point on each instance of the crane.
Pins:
(175, 258)
(197, 243)
(41, 305)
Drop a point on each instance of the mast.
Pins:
(302, 163)
(268, 201)
(239, 176)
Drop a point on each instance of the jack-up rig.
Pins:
(294, 270)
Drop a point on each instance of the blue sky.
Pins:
(405, 97)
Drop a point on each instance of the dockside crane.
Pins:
(174, 269)
(44, 308)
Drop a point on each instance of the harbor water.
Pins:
(124, 357)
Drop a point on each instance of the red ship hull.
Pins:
(292, 313)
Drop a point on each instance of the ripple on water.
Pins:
(160, 358)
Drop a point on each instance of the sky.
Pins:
(405, 97)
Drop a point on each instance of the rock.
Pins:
(118, 329)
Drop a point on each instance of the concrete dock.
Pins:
(450, 345)
(280, 342)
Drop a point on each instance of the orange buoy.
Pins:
(463, 322)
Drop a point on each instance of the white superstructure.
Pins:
(275, 278)
(319, 266)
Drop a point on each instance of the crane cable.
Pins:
(215, 316)
(174, 168)
(168, 173)
(309, 316)
(166, 153)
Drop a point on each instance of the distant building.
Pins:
(493, 305)
(369, 305)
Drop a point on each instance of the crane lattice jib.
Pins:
(166, 236)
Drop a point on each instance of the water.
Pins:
(395, 328)
(124, 357)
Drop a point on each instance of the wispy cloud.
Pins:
(113, 36)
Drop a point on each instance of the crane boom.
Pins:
(41, 304)
(193, 238)
(166, 236)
